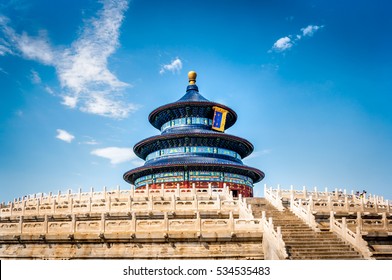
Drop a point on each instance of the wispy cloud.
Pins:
(82, 68)
(49, 90)
(174, 66)
(3, 71)
(117, 155)
(64, 136)
(287, 42)
(4, 50)
(282, 44)
(34, 77)
(89, 141)
(261, 153)
(310, 30)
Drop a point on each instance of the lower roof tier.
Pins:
(193, 138)
(254, 174)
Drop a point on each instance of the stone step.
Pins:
(313, 243)
(302, 242)
(309, 235)
(325, 258)
(327, 249)
(290, 228)
(324, 254)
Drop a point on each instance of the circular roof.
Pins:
(192, 104)
(255, 174)
(193, 138)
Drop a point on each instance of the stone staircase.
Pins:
(301, 241)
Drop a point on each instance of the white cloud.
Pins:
(64, 136)
(82, 68)
(70, 101)
(4, 50)
(282, 44)
(174, 66)
(35, 78)
(99, 103)
(90, 142)
(116, 154)
(49, 90)
(257, 154)
(3, 71)
(310, 30)
(35, 48)
(287, 42)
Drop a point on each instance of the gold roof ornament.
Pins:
(192, 77)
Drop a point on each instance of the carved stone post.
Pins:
(344, 227)
(331, 220)
(45, 224)
(54, 206)
(133, 223)
(384, 221)
(329, 202)
(198, 223)
(174, 202)
(231, 223)
(359, 220)
(73, 224)
(21, 224)
(346, 204)
(166, 222)
(108, 202)
(23, 207)
(102, 229)
(150, 204)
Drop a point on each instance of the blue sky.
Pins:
(309, 80)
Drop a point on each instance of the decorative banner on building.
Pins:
(219, 120)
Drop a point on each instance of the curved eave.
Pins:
(157, 120)
(154, 143)
(255, 174)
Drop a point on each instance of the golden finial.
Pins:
(192, 77)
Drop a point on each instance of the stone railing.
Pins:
(355, 239)
(104, 194)
(273, 245)
(125, 201)
(304, 212)
(274, 197)
(115, 205)
(245, 210)
(371, 223)
(105, 226)
(338, 201)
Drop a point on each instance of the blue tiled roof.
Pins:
(192, 94)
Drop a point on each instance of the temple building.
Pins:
(193, 150)
(192, 199)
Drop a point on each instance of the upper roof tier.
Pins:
(192, 104)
